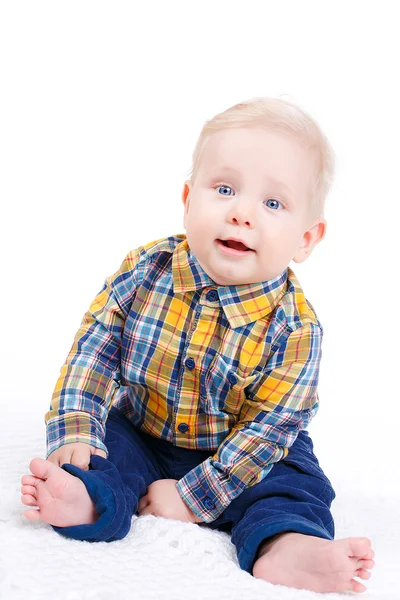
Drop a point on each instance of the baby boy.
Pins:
(193, 376)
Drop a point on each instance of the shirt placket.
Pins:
(199, 340)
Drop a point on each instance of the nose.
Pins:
(240, 213)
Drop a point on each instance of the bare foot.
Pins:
(62, 499)
(313, 563)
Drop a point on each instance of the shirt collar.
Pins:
(242, 304)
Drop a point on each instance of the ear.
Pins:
(311, 238)
(187, 186)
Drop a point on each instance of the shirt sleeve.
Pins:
(282, 403)
(91, 374)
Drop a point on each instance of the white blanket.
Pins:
(162, 558)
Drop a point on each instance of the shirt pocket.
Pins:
(222, 388)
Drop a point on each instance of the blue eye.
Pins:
(274, 206)
(226, 187)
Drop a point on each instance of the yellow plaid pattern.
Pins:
(232, 369)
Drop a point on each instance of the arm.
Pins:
(90, 375)
(283, 403)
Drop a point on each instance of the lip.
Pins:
(232, 251)
(231, 239)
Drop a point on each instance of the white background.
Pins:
(101, 106)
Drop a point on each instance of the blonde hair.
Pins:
(285, 117)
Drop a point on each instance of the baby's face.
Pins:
(253, 185)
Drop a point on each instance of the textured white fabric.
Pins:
(162, 558)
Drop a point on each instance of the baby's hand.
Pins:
(77, 454)
(163, 500)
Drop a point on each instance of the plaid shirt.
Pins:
(232, 370)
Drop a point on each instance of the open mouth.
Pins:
(233, 245)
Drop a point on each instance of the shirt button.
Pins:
(190, 364)
(232, 378)
(209, 504)
(183, 427)
(212, 295)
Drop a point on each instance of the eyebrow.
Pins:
(233, 170)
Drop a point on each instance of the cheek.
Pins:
(200, 216)
(276, 242)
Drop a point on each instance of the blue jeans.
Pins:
(294, 496)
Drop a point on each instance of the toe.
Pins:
(41, 467)
(32, 515)
(365, 564)
(362, 574)
(356, 586)
(28, 480)
(28, 489)
(28, 500)
(359, 547)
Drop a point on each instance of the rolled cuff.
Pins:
(249, 542)
(108, 497)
